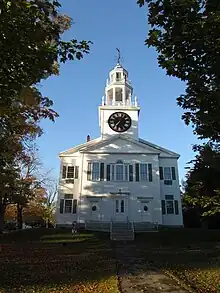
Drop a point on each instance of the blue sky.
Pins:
(77, 91)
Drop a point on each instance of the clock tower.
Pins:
(119, 112)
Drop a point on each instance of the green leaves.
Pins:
(31, 50)
(186, 37)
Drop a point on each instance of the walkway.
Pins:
(137, 275)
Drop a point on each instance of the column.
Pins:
(124, 95)
(113, 101)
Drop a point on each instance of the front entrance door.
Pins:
(95, 211)
(146, 213)
(120, 209)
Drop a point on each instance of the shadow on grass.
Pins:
(64, 262)
(55, 259)
(192, 255)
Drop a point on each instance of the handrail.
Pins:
(111, 230)
(132, 226)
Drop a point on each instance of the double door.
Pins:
(121, 209)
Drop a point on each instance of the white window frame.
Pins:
(98, 173)
(64, 208)
(169, 201)
(113, 172)
(170, 173)
(147, 173)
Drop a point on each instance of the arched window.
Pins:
(118, 94)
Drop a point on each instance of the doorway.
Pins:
(120, 209)
(146, 211)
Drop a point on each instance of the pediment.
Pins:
(120, 145)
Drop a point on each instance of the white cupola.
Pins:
(119, 112)
(118, 90)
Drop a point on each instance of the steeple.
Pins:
(118, 89)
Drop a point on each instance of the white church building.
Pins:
(118, 177)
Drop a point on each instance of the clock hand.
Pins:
(118, 123)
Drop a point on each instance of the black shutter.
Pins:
(176, 207)
(89, 172)
(64, 172)
(150, 172)
(74, 206)
(137, 167)
(163, 204)
(161, 173)
(173, 173)
(76, 172)
(102, 166)
(61, 205)
(108, 172)
(130, 172)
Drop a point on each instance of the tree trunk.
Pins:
(19, 216)
(2, 216)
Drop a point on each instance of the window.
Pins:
(68, 206)
(94, 208)
(118, 76)
(167, 173)
(70, 172)
(95, 171)
(145, 208)
(118, 94)
(119, 172)
(169, 205)
(143, 172)
(122, 206)
(112, 172)
(117, 206)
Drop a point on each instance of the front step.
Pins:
(122, 231)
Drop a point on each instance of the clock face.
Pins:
(119, 122)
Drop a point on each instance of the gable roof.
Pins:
(110, 145)
(163, 151)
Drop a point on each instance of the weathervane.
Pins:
(119, 55)
(119, 59)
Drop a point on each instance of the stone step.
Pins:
(127, 238)
(119, 229)
(122, 234)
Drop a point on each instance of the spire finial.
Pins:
(119, 55)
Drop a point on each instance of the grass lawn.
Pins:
(52, 260)
(191, 255)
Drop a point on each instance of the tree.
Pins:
(31, 50)
(50, 195)
(186, 37)
(202, 188)
(30, 180)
